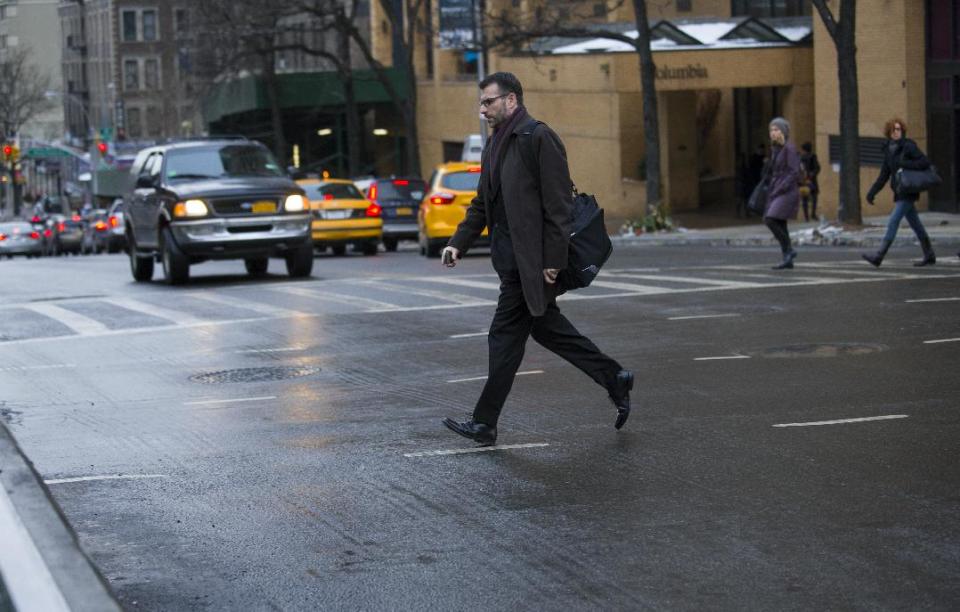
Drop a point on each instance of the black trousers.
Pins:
(512, 325)
(779, 229)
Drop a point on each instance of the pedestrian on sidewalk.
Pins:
(783, 199)
(900, 152)
(810, 187)
(529, 216)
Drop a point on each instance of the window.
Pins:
(181, 22)
(131, 75)
(150, 25)
(129, 19)
(684, 6)
(769, 8)
(134, 125)
(151, 74)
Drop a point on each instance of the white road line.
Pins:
(714, 316)
(841, 421)
(26, 576)
(457, 298)
(340, 298)
(480, 449)
(722, 358)
(82, 325)
(631, 287)
(947, 299)
(462, 282)
(941, 341)
(686, 279)
(229, 401)
(53, 481)
(174, 316)
(289, 349)
(460, 380)
(247, 305)
(54, 366)
(473, 335)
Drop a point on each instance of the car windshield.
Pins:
(400, 189)
(333, 191)
(461, 181)
(217, 162)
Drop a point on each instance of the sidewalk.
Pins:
(943, 228)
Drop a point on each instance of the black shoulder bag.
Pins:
(589, 247)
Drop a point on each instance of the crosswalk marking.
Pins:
(340, 298)
(79, 323)
(166, 314)
(411, 293)
(246, 304)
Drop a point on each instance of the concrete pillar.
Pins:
(679, 155)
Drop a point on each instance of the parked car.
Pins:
(20, 238)
(342, 216)
(399, 198)
(94, 225)
(228, 198)
(68, 235)
(452, 187)
(49, 234)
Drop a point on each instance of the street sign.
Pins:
(39, 152)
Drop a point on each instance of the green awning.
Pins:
(303, 90)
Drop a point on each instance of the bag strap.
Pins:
(527, 153)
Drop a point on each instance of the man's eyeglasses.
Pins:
(488, 101)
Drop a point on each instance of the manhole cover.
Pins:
(253, 374)
(822, 350)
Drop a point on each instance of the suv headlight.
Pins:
(294, 203)
(190, 208)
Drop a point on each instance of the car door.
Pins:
(136, 203)
(153, 202)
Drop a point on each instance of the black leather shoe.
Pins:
(621, 396)
(482, 434)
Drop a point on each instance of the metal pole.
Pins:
(480, 44)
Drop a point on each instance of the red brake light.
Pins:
(3, 237)
(113, 221)
(61, 227)
(100, 225)
(373, 210)
(401, 182)
(36, 219)
(77, 218)
(474, 169)
(442, 198)
(373, 192)
(48, 232)
(35, 235)
(328, 196)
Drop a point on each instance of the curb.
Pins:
(720, 241)
(42, 566)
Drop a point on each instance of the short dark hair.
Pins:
(507, 82)
(807, 147)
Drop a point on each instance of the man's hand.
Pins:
(550, 275)
(870, 201)
(449, 256)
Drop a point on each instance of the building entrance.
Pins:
(943, 101)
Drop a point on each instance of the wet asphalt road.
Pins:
(275, 440)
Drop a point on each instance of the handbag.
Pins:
(758, 199)
(915, 181)
(589, 247)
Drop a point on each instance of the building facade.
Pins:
(128, 64)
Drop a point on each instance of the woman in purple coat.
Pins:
(783, 199)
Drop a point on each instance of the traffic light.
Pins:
(7, 152)
(102, 147)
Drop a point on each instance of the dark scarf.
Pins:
(499, 140)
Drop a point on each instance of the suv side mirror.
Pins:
(146, 182)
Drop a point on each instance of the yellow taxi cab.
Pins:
(450, 191)
(342, 216)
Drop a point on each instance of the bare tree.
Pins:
(843, 33)
(22, 90)
(551, 21)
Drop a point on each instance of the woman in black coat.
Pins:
(900, 152)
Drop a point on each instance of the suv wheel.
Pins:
(140, 267)
(176, 267)
(300, 262)
(256, 266)
(390, 244)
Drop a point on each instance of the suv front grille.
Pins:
(247, 206)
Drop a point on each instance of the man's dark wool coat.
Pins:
(538, 215)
